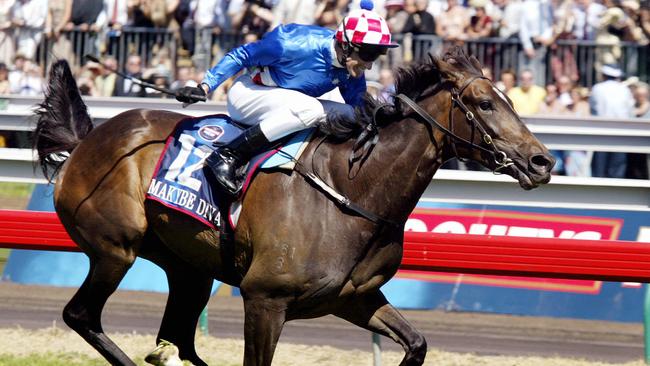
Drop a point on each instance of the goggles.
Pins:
(369, 54)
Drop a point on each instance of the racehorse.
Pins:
(296, 253)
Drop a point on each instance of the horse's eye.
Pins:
(485, 105)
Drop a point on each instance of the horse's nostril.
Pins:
(543, 161)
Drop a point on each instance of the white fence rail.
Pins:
(16, 165)
(593, 134)
(558, 133)
(17, 112)
(458, 186)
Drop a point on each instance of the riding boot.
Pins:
(226, 161)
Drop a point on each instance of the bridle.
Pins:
(369, 138)
(501, 160)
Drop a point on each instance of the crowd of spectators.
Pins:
(535, 24)
(614, 97)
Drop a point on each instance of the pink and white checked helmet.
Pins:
(364, 27)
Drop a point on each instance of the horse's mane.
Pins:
(411, 81)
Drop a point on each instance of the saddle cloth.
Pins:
(179, 180)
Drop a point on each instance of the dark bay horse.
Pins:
(297, 254)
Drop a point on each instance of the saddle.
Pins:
(181, 180)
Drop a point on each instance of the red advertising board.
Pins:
(511, 223)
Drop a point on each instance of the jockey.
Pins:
(286, 71)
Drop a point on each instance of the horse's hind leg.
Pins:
(83, 312)
(189, 292)
(373, 312)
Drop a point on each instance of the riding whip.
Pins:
(144, 84)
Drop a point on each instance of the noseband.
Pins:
(500, 158)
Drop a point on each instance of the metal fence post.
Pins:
(203, 321)
(646, 324)
(376, 349)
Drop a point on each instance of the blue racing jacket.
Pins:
(297, 57)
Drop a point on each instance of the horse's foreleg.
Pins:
(83, 312)
(373, 312)
(189, 292)
(263, 322)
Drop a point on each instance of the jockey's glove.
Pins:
(190, 94)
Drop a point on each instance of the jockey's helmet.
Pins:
(365, 31)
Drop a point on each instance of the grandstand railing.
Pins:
(145, 42)
(498, 54)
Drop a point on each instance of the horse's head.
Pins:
(482, 124)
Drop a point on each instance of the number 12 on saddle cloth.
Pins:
(179, 180)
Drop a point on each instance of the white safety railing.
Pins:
(593, 134)
(16, 165)
(558, 133)
(16, 112)
(460, 186)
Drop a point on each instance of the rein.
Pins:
(341, 200)
(369, 137)
(500, 158)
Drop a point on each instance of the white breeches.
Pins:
(278, 111)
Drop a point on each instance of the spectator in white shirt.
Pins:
(28, 18)
(114, 15)
(610, 98)
(294, 11)
(27, 81)
(17, 71)
(587, 18)
(507, 14)
(212, 14)
(7, 46)
(535, 33)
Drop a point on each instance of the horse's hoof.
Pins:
(165, 354)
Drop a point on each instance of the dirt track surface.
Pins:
(36, 307)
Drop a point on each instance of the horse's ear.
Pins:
(436, 62)
(448, 69)
(476, 63)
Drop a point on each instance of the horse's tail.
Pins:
(63, 120)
